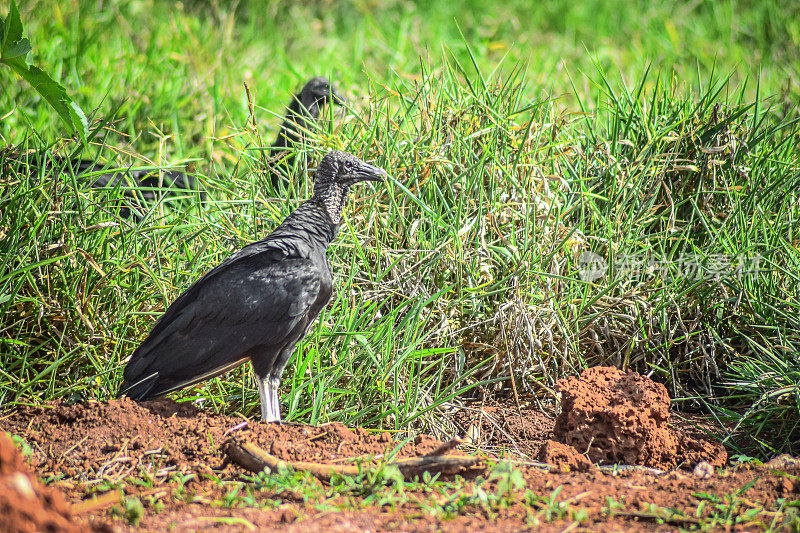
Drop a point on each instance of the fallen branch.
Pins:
(255, 459)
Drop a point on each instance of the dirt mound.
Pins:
(618, 417)
(113, 439)
(25, 504)
(565, 457)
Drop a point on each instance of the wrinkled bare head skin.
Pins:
(345, 169)
(334, 176)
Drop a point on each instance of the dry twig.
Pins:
(253, 458)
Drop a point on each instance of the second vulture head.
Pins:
(318, 91)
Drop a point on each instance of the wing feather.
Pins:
(255, 300)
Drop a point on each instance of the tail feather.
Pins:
(139, 390)
(173, 361)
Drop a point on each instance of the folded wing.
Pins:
(255, 301)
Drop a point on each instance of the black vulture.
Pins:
(303, 110)
(256, 304)
(149, 183)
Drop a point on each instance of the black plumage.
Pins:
(303, 111)
(145, 185)
(257, 304)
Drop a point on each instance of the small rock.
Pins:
(789, 485)
(565, 457)
(703, 470)
(203, 470)
(341, 431)
(286, 514)
(473, 435)
(782, 462)
(20, 482)
(280, 450)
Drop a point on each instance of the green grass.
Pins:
(518, 137)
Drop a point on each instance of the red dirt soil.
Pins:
(25, 504)
(114, 439)
(564, 457)
(617, 417)
(86, 449)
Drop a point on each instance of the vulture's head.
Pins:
(334, 176)
(343, 170)
(318, 91)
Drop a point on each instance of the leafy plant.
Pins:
(14, 53)
(509, 479)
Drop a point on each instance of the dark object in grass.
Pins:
(304, 109)
(256, 304)
(140, 185)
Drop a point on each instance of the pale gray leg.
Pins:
(265, 397)
(275, 402)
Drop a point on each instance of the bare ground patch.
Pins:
(159, 465)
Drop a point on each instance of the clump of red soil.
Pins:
(25, 504)
(565, 457)
(617, 417)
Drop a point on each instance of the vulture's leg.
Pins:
(274, 402)
(266, 397)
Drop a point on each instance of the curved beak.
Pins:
(367, 172)
(336, 97)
